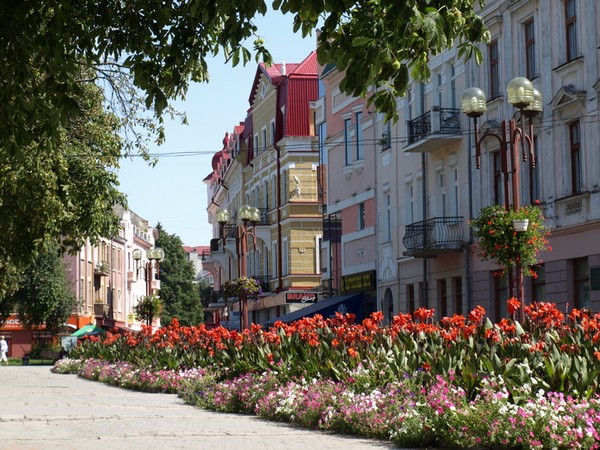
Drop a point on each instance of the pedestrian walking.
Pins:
(3, 350)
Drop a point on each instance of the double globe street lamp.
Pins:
(152, 254)
(528, 100)
(247, 214)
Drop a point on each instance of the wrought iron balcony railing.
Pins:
(437, 123)
(431, 237)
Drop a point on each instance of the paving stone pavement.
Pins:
(42, 410)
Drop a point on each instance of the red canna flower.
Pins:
(513, 305)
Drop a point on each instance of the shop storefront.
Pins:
(20, 339)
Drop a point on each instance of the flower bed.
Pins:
(461, 382)
(409, 411)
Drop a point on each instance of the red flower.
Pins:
(513, 305)
(476, 316)
(424, 314)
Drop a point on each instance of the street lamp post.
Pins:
(528, 100)
(152, 254)
(247, 214)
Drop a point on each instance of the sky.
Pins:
(172, 192)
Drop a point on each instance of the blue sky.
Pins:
(172, 192)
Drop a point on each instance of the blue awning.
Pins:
(349, 303)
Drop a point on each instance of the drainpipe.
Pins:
(424, 189)
(279, 239)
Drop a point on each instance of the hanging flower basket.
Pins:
(511, 238)
(243, 287)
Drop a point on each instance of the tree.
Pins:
(45, 297)
(178, 287)
(59, 197)
(148, 308)
(54, 52)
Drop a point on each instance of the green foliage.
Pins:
(148, 308)
(382, 43)
(60, 192)
(56, 53)
(501, 243)
(178, 288)
(45, 297)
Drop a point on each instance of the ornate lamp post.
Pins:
(247, 214)
(152, 254)
(528, 100)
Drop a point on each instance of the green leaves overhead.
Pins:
(393, 40)
(57, 182)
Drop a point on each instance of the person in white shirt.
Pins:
(3, 350)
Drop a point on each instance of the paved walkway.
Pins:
(42, 410)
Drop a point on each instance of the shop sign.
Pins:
(42, 335)
(301, 297)
(363, 281)
(13, 323)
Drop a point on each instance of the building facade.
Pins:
(397, 198)
(270, 162)
(556, 46)
(112, 276)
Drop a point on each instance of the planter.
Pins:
(520, 225)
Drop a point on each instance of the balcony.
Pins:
(101, 269)
(101, 309)
(428, 238)
(264, 217)
(434, 129)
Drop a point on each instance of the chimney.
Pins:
(283, 70)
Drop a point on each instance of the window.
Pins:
(275, 254)
(272, 132)
(285, 194)
(255, 145)
(361, 216)
(443, 297)
(285, 255)
(494, 69)
(530, 65)
(500, 295)
(538, 284)
(360, 154)
(347, 141)
(264, 139)
(388, 218)
(458, 295)
(386, 136)
(571, 30)
(581, 283)
(322, 131)
(576, 163)
(440, 102)
(534, 182)
(318, 247)
(453, 86)
(410, 100)
(442, 193)
(410, 204)
(456, 194)
(498, 177)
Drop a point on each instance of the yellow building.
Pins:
(270, 163)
